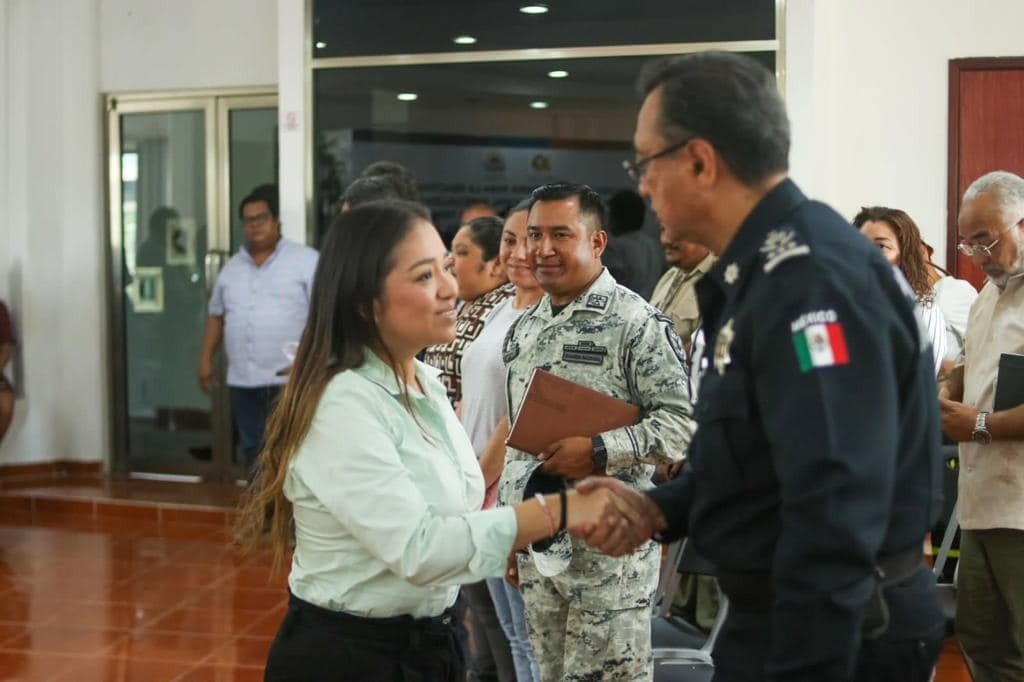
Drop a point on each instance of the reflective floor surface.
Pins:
(108, 597)
(126, 584)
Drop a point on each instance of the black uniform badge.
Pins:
(597, 301)
(584, 352)
(722, 357)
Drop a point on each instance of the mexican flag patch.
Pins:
(819, 341)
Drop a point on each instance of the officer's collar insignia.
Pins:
(781, 245)
(597, 301)
(722, 356)
(732, 273)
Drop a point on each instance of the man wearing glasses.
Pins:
(815, 471)
(990, 598)
(259, 304)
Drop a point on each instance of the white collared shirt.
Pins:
(991, 484)
(264, 307)
(387, 520)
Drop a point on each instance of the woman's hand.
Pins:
(587, 509)
(627, 520)
(512, 570)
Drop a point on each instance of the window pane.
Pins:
(472, 133)
(365, 27)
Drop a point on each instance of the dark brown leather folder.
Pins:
(555, 408)
(1009, 382)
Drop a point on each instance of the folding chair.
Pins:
(947, 591)
(682, 651)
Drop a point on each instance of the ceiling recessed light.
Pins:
(538, 105)
(558, 73)
(408, 96)
(320, 44)
(534, 9)
(464, 40)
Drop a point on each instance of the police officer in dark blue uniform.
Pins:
(815, 471)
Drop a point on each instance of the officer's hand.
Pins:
(675, 467)
(628, 522)
(569, 457)
(957, 420)
(207, 375)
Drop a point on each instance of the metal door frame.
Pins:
(216, 106)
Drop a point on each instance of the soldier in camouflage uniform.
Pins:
(589, 614)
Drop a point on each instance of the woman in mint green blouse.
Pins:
(364, 453)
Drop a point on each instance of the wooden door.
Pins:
(986, 133)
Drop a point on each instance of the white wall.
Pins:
(868, 96)
(294, 118)
(53, 206)
(57, 57)
(185, 44)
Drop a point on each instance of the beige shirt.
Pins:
(676, 296)
(992, 476)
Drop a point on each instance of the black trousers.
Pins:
(491, 657)
(318, 645)
(744, 644)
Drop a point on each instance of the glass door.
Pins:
(247, 152)
(172, 178)
(247, 128)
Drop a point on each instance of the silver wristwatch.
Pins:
(981, 434)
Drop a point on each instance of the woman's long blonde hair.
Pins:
(355, 257)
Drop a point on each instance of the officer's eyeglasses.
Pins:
(970, 249)
(636, 169)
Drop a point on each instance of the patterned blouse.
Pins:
(447, 357)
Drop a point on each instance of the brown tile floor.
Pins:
(100, 593)
(129, 596)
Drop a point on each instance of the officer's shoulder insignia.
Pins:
(780, 245)
(676, 344)
(597, 301)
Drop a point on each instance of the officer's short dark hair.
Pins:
(626, 212)
(485, 232)
(728, 99)
(374, 188)
(403, 178)
(591, 205)
(267, 193)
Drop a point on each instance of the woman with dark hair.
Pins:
(484, 413)
(480, 281)
(896, 234)
(954, 297)
(7, 341)
(364, 455)
(481, 286)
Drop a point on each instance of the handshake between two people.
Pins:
(612, 517)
